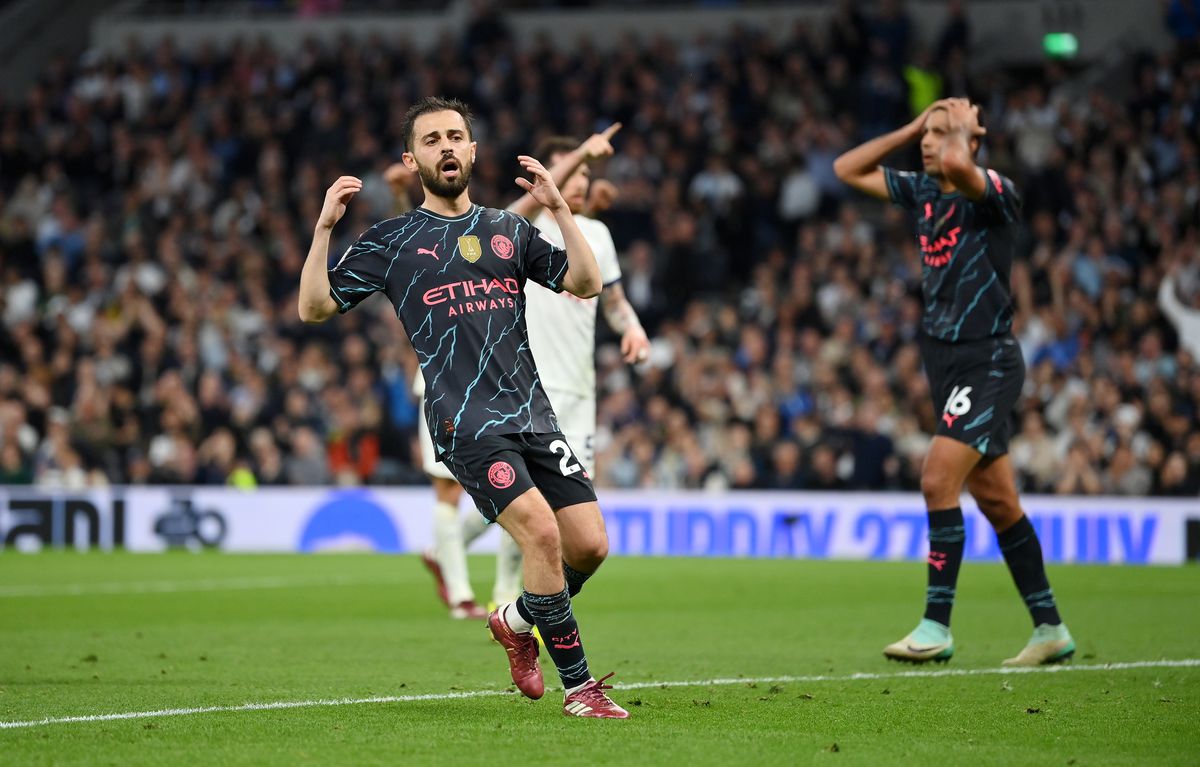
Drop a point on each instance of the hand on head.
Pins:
(963, 116)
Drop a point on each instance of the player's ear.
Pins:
(473, 146)
(409, 161)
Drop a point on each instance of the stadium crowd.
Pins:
(155, 210)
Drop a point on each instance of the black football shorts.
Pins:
(975, 386)
(497, 469)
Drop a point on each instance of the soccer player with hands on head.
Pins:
(455, 273)
(562, 337)
(967, 221)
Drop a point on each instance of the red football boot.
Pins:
(468, 610)
(590, 701)
(522, 652)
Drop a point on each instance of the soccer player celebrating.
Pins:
(455, 273)
(967, 219)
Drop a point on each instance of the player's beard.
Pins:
(450, 189)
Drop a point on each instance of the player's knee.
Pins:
(1000, 510)
(938, 486)
(542, 536)
(593, 552)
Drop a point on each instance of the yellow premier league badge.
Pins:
(469, 247)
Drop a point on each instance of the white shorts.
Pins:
(577, 422)
(429, 462)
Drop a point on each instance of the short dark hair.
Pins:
(428, 105)
(552, 145)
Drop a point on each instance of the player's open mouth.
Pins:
(450, 168)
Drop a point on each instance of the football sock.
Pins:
(451, 555)
(574, 578)
(517, 619)
(579, 686)
(560, 634)
(946, 541)
(472, 528)
(1023, 554)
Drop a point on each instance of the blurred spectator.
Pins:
(154, 206)
(1184, 317)
(1079, 476)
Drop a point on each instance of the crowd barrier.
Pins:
(798, 525)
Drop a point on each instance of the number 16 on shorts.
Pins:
(958, 404)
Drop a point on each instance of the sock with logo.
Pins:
(574, 578)
(1023, 554)
(560, 634)
(947, 538)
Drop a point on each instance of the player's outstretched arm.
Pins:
(583, 273)
(621, 317)
(598, 146)
(315, 303)
(860, 167)
(958, 161)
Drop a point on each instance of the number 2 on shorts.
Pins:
(564, 464)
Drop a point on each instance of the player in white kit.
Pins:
(562, 337)
(562, 331)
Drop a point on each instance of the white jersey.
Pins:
(562, 327)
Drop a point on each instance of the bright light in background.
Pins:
(1060, 45)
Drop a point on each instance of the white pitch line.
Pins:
(325, 702)
(172, 587)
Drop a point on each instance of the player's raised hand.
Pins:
(542, 188)
(336, 198)
(917, 126)
(964, 116)
(601, 196)
(635, 346)
(397, 176)
(600, 144)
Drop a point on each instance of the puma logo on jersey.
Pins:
(427, 251)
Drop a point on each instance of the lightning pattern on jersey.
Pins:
(967, 249)
(462, 303)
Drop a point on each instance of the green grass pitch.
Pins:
(98, 634)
